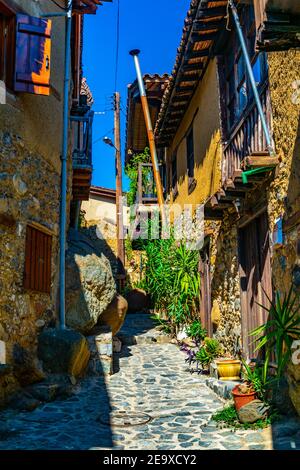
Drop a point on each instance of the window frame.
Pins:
(7, 53)
(234, 79)
(174, 174)
(37, 253)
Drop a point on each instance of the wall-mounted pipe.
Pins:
(251, 77)
(64, 156)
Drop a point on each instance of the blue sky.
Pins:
(154, 27)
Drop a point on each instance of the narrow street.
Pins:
(166, 408)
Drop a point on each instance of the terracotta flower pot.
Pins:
(229, 369)
(241, 399)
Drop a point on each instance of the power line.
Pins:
(117, 46)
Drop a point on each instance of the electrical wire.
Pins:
(117, 46)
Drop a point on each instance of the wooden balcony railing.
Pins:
(247, 138)
(82, 140)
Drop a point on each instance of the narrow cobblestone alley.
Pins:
(171, 409)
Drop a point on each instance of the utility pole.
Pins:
(119, 193)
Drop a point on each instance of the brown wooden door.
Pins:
(256, 279)
(205, 303)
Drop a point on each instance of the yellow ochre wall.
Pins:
(207, 142)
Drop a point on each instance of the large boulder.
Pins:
(115, 313)
(138, 300)
(253, 411)
(63, 351)
(26, 367)
(90, 286)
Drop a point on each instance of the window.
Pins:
(174, 174)
(38, 249)
(7, 45)
(239, 94)
(190, 154)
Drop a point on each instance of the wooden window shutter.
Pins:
(38, 250)
(33, 55)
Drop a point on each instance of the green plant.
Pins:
(258, 379)
(281, 329)
(209, 351)
(132, 171)
(228, 416)
(196, 331)
(163, 324)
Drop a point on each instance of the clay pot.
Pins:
(229, 369)
(241, 399)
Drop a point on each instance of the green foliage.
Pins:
(210, 350)
(282, 328)
(229, 417)
(163, 324)
(259, 379)
(172, 279)
(132, 169)
(196, 331)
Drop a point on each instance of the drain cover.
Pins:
(124, 419)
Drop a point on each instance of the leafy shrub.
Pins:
(229, 417)
(196, 331)
(210, 350)
(281, 329)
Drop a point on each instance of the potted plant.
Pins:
(228, 368)
(210, 350)
(246, 391)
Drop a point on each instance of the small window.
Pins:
(7, 45)
(190, 154)
(174, 174)
(37, 276)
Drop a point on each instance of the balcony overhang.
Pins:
(87, 7)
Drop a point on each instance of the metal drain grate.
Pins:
(125, 419)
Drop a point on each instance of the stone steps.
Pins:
(140, 328)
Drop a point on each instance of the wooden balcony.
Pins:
(244, 152)
(277, 24)
(146, 186)
(82, 125)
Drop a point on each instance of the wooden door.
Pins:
(205, 279)
(256, 279)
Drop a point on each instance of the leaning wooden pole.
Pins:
(160, 197)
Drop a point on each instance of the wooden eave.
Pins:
(136, 132)
(204, 21)
(83, 7)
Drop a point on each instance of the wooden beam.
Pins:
(201, 26)
(258, 161)
(190, 78)
(211, 12)
(198, 36)
(191, 54)
(193, 67)
(182, 88)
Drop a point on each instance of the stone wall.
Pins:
(284, 193)
(225, 282)
(30, 192)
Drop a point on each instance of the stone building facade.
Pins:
(30, 149)
(216, 156)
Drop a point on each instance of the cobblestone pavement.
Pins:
(152, 380)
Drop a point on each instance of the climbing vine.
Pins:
(132, 171)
